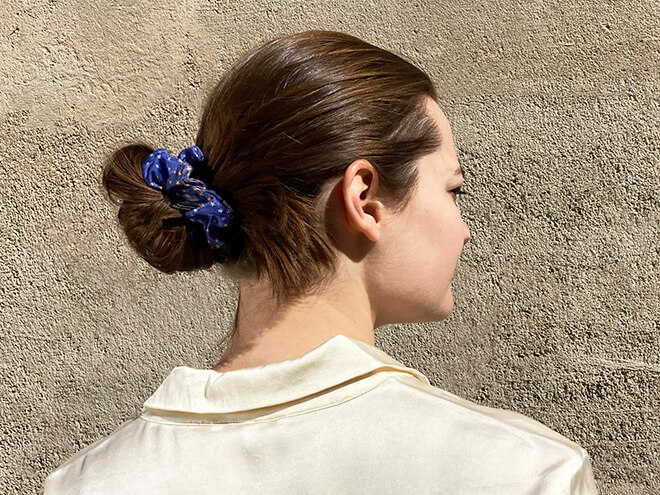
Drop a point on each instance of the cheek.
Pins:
(446, 239)
(443, 228)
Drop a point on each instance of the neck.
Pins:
(265, 333)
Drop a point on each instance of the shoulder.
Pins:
(73, 477)
(497, 443)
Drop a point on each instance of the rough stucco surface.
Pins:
(555, 112)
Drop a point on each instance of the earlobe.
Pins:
(372, 219)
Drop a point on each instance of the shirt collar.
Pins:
(334, 362)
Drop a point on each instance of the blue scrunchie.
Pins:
(198, 204)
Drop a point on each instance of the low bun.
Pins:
(158, 232)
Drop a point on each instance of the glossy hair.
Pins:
(289, 116)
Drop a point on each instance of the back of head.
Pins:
(288, 117)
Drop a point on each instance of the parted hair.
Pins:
(286, 118)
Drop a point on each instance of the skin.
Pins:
(394, 267)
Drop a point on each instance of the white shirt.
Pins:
(343, 418)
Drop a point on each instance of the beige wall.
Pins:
(555, 113)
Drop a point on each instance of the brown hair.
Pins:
(287, 117)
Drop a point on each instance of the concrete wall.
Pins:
(555, 112)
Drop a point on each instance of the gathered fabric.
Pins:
(344, 418)
(197, 203)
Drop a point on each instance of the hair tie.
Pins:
(171, 174)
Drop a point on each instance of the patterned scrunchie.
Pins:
(171, 174)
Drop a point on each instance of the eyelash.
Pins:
(458, 190)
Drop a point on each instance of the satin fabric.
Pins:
(171, 174)
(343, 418)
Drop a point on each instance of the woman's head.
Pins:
(279, 129)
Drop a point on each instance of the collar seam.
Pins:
(398, 368)
(265, 420)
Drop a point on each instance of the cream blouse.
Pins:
(344, 418)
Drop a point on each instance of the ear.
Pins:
(359, 188)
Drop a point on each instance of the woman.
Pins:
(324, 180)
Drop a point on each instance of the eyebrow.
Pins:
(460, 171)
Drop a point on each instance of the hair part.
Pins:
(289, 116)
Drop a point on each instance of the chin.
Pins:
(440, 308)
(447, 306)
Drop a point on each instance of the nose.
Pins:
(466, 230)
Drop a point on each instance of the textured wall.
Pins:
(555, 112)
